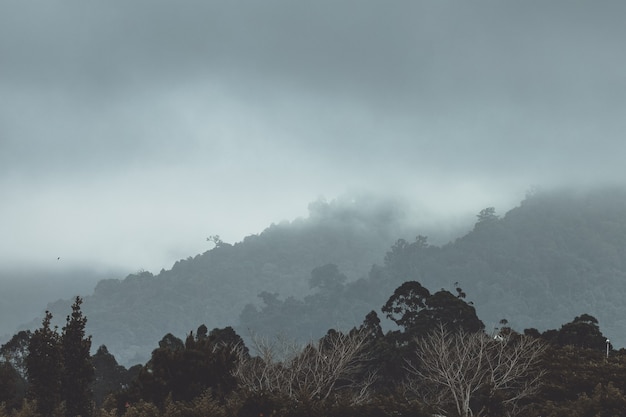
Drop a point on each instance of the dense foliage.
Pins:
(556, 255)
(44, 365)
(132, 314)
(440, 361)
(332, 335)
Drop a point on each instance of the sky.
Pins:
(132, 130)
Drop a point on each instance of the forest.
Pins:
(440, 361)
(558, 254)
(333, 316)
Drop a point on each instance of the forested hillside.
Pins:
(132, 314)
(556, 256)
(440, 361)
(525, 304)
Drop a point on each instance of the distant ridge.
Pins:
(131, 315)
(559, 254)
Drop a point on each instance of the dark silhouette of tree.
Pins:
(13, 383)
(452, 311)
(171, 342)
(225, 337)
(15, 351)
(9, 385)
(386, 359)
(186, 370)
(487, 215)
(78, 370)
(417, 310)
(109, 376)
(202, 332)
(216, 240)
(44, 365)
(406, 303)
(371, 326)
(583, 332)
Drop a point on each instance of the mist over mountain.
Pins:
(131, 131)
(26, 291)
(131, 315)
(557, 255)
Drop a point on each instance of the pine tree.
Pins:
(78, 369)
(44, 366)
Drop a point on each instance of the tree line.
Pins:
(439, 360)
(555, 256)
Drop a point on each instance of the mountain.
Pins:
(558, 255)
(25, 290)
(131, 315)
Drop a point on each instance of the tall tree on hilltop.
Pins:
(44, 366)
(413, 307)
(406, 303)
(487, 215)
(78, 369)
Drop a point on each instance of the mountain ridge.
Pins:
(212, 288)
(559, 254)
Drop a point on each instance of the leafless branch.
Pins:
(453, 367)
(317, 370)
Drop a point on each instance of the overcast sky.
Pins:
(131, 130)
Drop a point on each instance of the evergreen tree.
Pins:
(44, 365)
(78, 369)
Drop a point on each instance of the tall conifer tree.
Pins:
(78, 369)
(44, 366)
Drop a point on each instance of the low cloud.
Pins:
(130, 130)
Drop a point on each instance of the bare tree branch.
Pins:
(453, 367)
(315, 371)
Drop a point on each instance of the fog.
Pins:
(131, 131)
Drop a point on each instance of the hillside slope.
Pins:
(131, 315)
(556, 256)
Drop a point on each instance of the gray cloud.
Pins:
(147, 124)
(370, 47)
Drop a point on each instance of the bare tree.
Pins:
(315, 371)
(453, 368)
